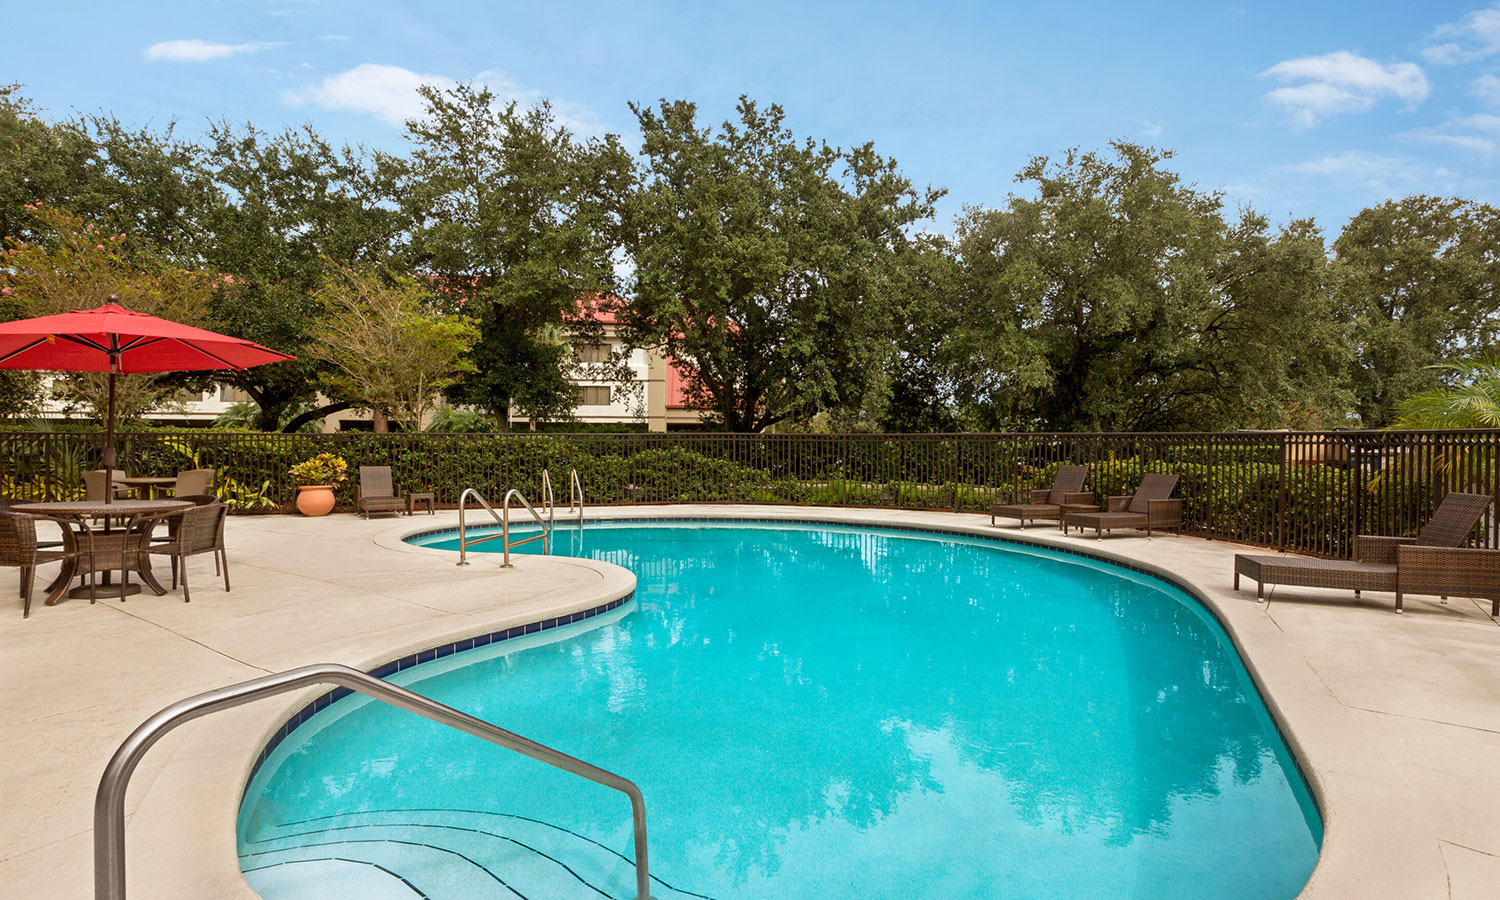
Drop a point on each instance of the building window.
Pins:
(228, 393)
(593, 353)
(593, 395)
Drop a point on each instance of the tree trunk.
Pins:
(381, 422)
(312, 414)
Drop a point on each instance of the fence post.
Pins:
(1281, 504)
(1212, 482)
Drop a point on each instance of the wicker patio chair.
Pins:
(1067, 489)
(1151, 508)
(19, 549)
(201, 530)
(1434, 562)
(193, 482)
(93, 485)
(174, 522)
(375, 493)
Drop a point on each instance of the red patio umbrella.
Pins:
(116, 340)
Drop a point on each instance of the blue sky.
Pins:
(1300, 109)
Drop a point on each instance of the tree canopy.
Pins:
(386, 346)
(1114, 297)
(1420, 280)
(793, 283)
(763, 262)
(515, 219)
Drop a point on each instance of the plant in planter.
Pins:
(316, 479)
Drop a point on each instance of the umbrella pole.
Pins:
(109, 441)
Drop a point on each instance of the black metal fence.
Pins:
(1304, 491)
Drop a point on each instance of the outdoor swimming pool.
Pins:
(812, 711)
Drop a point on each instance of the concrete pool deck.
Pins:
(1396, 719)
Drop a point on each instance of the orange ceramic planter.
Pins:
(315, 499)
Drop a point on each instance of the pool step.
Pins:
(439, 855)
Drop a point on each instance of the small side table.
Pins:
(416, 497)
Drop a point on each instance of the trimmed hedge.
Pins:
(1239, 487)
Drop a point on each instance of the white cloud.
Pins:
(1151, 129)
(390, 93)
(1478, 133)
(1475, 143)
(387, 92)
(195, 50)
(1483, 122)
(1487, 89)
(1342, 82)
(1475, 36)
(1382, 174)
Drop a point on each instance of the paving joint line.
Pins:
(1396, 715)
(120, 608)
(1470, 849)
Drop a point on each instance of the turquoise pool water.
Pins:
(812, 712)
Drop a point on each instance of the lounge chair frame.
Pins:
(1151, 508)
(1435, 562)
(1047, 503)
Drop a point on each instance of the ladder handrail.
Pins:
(109, 803)
(549, 503)
(544, 537)
(574, 482)
(463, 540)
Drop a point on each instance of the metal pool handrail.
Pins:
(463, 537)
(545, 537)
(109, 803)
(575, 485)
(549, 502)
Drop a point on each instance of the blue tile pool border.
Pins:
(385, 670)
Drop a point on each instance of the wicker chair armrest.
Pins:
(1079, 498)
(1118, 504)
(1457, 571)
(1039, 495)
(1164, 512)
(43, 517)
(1379, 549)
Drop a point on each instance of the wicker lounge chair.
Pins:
(375, 493)
(1067, 489)
(1434, 562)
(1151, 508)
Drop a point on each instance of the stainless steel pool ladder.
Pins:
(502, 517)
(575, 496)
(109, 803)
(549, 503)
(575, 489)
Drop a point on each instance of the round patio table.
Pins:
(108, 549)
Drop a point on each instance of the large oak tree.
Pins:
(1115, 297)
(763, 262)
(516, 219)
